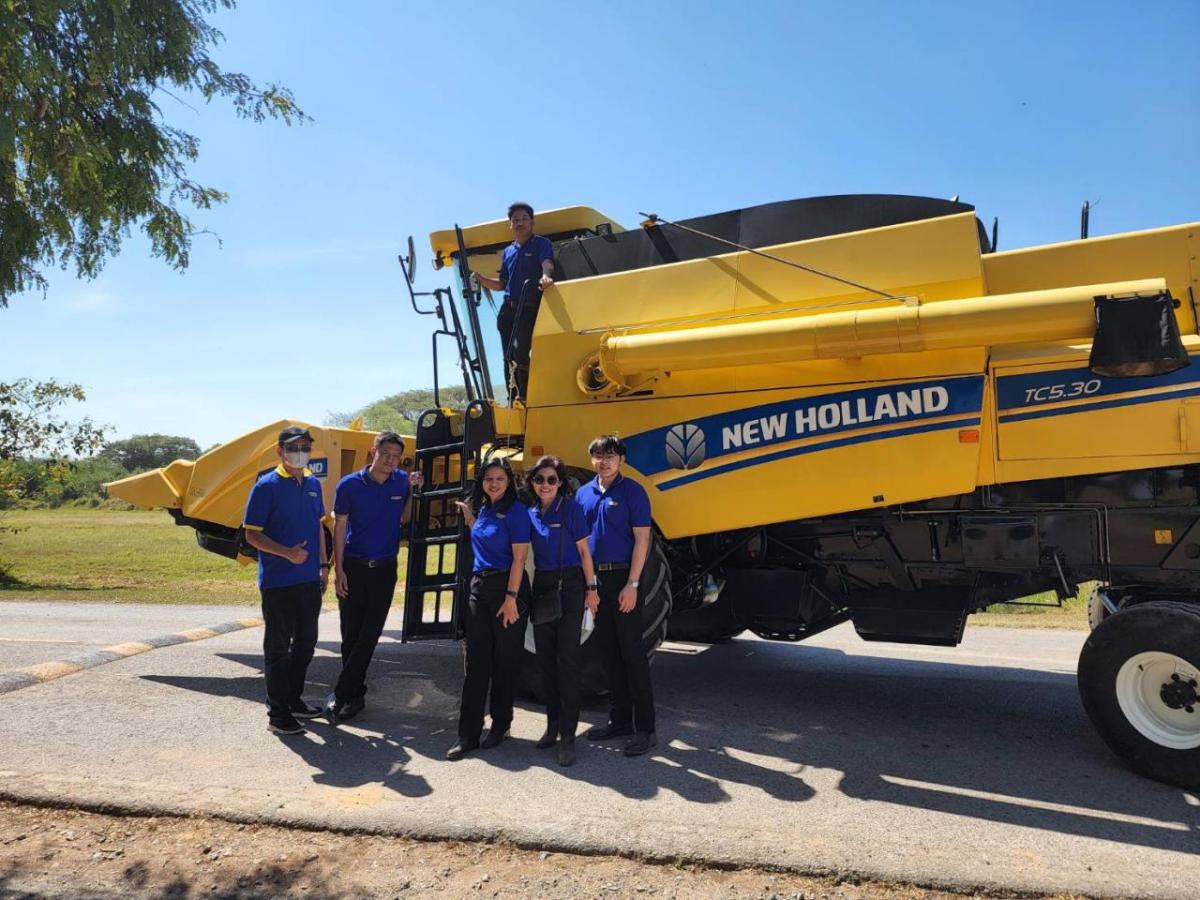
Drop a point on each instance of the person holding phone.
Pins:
(496, 608)
(563, 584)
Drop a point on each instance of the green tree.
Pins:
(31, 423)
(85, 152)
(149, 451)
(399, 412)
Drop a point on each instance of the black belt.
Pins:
(488, 573)
(611, 567)
(370, 563)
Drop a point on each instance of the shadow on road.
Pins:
(994, 744)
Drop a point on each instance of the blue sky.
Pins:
(431, 114)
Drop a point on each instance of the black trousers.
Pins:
(289, 638)
(625, 663)
(558, 650)
(493, 656)
(517, 338)
(363, 612)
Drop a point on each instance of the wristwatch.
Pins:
(511, 593)
(323, 566)
(631, 584)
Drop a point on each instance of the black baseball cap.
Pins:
(292, 433)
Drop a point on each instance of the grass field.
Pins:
(114, 556)
(134, 556)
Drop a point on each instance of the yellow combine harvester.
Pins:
(209, 494)
(855, 409)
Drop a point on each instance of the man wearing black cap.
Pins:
(283, 522)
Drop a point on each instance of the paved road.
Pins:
(965, 767)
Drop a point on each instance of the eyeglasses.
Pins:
(607, 457)
(545, 479)
(303, 448)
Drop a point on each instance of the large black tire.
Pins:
(709, 624)
(1138, 679)
(656, 610)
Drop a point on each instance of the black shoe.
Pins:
(610, 730)
(494, 738)
(549, 737)
(461, 748)
(351, 708)
(285, 727)
(641, 743)
(302, 710)
(566, 752)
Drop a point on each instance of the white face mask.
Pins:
(297, 459)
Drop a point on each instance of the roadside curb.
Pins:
(28, 676)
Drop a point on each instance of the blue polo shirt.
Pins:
(522, 262)
(612, 515)
(373, 513)
(562, 525)
(287, 510)
(494, 533)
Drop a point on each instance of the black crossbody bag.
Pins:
(548, 605)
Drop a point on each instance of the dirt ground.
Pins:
(68, 853)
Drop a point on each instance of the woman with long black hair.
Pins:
(563, 584)
(499, 597)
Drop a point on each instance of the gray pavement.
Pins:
(972, 766)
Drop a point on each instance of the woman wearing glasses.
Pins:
(499, 525)
(563, 584)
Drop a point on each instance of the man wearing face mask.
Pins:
(283, 523)
(371, 507)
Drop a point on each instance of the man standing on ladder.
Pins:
(526, 269)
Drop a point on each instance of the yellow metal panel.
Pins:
(948, 325)
(789, 479)
(988, 438)
(1189, 425)
(946, 266)
(1158, 253)
(938, 258)
(1146, 430)
(550, 221)
(214, 487)
(1058, 411)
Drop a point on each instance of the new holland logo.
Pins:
(685, 446)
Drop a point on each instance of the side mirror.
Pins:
(409, 262)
